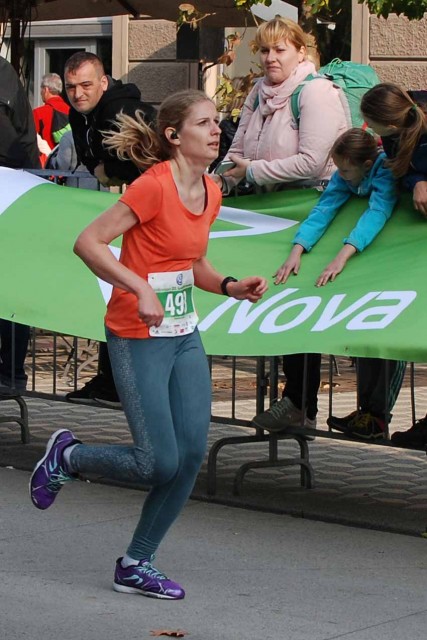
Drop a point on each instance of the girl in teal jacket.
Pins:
(360, 171)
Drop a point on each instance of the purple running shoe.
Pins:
(50, 474)
(144, 579)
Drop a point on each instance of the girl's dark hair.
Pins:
(355, 145)
(389, 105)
(135, 140)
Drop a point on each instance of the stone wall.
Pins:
(398, 50)
(152, 63)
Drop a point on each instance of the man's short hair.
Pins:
(52, 82)
(75, 61)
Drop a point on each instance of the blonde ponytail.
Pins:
(134, 140)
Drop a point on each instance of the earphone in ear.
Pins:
(174, 135)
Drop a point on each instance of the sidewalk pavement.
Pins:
(248, 575)
(359, 484)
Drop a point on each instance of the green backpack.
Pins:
(352, 78)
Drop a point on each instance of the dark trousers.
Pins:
(12, 368)
(293, 368)
(377, 391)
(372, 383)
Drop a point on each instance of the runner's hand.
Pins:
(150, 310)
(251, 288)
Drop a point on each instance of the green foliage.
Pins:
(231, 93)
(412, 9)
(188, 14)
(247, 4)
(317, 5)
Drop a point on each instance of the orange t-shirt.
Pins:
(168, 237)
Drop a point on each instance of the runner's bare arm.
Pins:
(92, 247)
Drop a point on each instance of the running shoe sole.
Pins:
(123, 589)
(371, 436)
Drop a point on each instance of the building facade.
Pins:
(149, 52)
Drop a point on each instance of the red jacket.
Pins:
(43, 117)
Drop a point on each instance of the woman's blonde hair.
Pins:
(135, 140)
(389, 105)
(356, 146)
(278, 29)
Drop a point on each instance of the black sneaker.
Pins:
(342, 424)
(413, 438)
(367, 427)
(108, 398)
(95, 391)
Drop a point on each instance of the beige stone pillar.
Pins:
(120, 47)
(359, 33)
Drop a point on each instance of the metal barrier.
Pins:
(78, 179)
(57, 364)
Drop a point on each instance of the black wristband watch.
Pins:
(224, 284)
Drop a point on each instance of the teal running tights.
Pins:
(165, 389)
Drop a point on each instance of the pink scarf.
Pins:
(273, 97)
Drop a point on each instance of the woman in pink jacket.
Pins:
(271, 151)
(270, 148)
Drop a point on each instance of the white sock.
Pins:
(66, 455)
(127, 561)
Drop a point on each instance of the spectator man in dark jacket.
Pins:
(18, 150)
(96, 100)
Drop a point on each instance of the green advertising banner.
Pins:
(376, 307)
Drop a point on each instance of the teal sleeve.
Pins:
(312, 229)
(381, 203)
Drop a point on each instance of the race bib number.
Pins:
(175, 292)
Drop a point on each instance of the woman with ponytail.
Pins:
(402, 124)
(159, 366)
